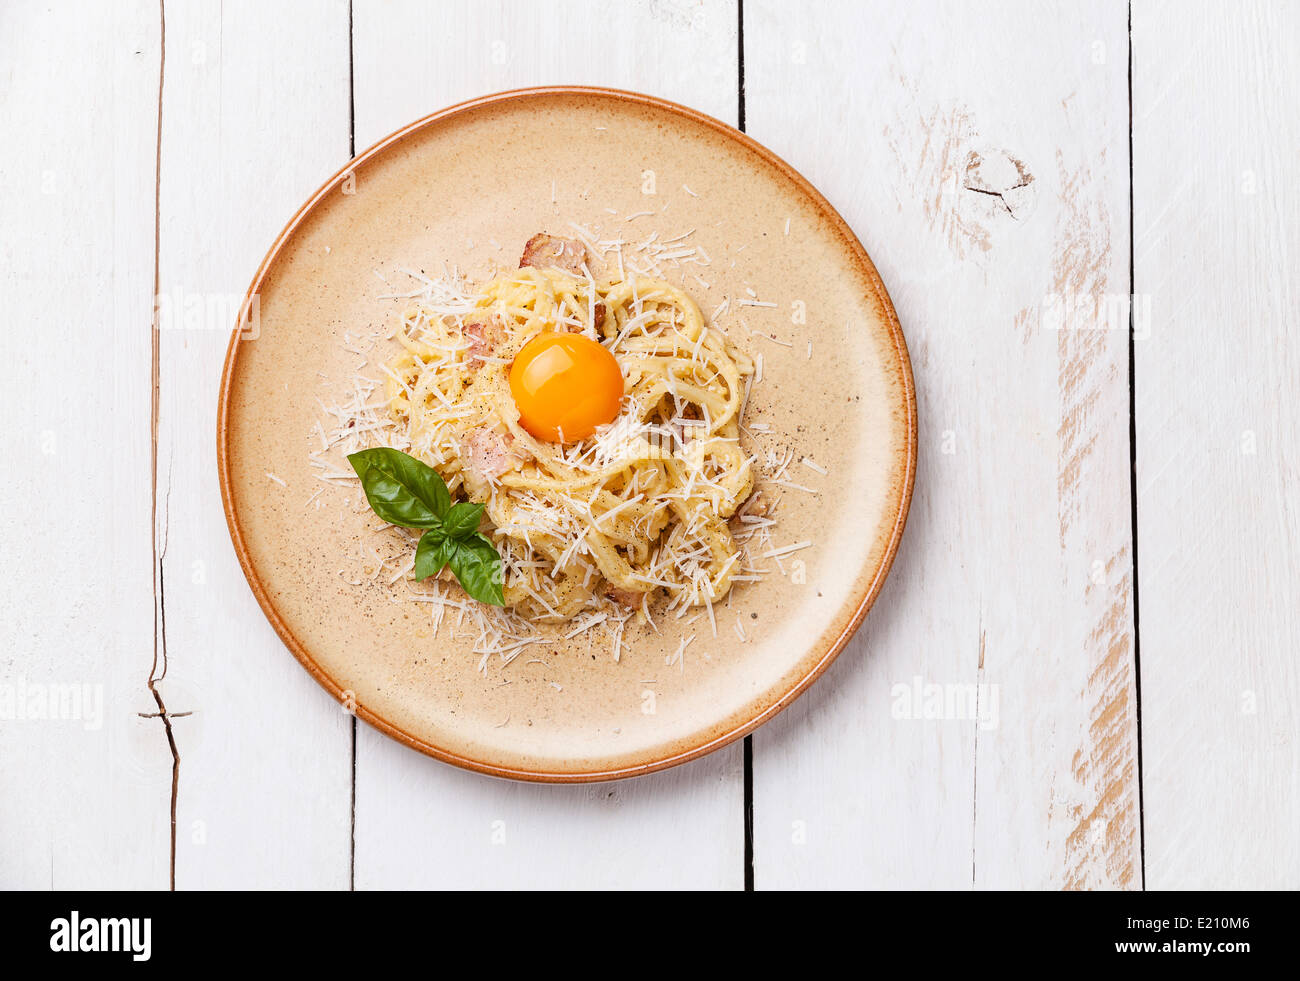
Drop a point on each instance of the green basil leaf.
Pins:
(463, 520)
(436, 535)
(434, 551)
(478, 567)
(401, 489)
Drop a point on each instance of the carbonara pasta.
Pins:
(637, 510)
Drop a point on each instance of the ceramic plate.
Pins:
(467, 186)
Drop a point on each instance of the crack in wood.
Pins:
(160, 603)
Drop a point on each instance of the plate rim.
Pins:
(708, 745)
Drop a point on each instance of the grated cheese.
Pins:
(359, 419)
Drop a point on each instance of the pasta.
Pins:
(638, 510)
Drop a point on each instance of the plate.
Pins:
(468, 186)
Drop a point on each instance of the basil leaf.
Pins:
(434, 551)
(404, 491)
(462, 520)
(401, 489)
(478, 567)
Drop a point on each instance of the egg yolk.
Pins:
(565, 385)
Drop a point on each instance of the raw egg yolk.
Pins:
(565, 385)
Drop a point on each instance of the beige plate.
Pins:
(496, 170)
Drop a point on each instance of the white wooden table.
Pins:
(1106, 526)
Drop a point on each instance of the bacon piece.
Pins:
(487, 454)
(598, 318)
(484, 336)
(629, 598)
(544, 251)
(755, 504)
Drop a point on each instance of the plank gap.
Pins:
(352, 152)
(1133, 491)
(749, 740)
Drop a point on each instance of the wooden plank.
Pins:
(410, 62)
(1013, 586)
(1217, 234)
(87, 780)
(254, 118)
(419, 823)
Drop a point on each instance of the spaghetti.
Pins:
(639, 509)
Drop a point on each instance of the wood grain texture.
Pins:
(86, 779)
(254, 118)
(1217, 235)
(984, 166)
(1015, 569)
(422, 824)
